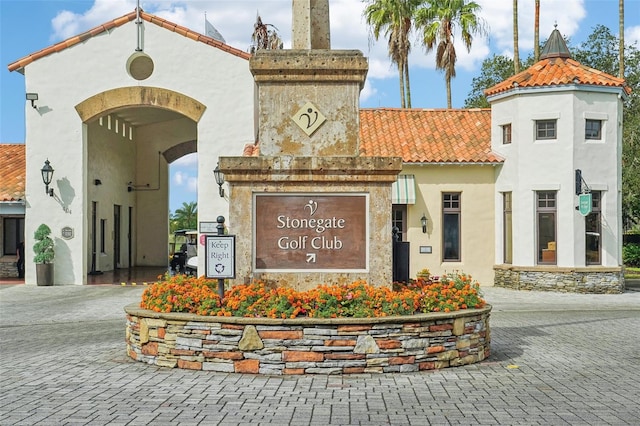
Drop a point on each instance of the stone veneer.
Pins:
(307, 345)
(597, 280)
(8, 267)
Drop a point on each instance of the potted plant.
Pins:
(44, 251)
(424, 274)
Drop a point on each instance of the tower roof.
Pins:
(555, 47)
(557, 68)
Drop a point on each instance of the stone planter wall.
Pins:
(308, 346)
(597, 280)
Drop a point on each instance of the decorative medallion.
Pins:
(140, 65)
(67, 232)
(309, 118)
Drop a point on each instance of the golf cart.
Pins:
(184, 248)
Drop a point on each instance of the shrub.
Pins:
(43, 248)
(631, 254)
(357, 299)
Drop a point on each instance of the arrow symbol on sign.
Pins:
(311, 258)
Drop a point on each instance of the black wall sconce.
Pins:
(33, 97)
(423, 221)
(47, 175)
(97, 182)
(219, 176)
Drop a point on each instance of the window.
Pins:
(592, 227)
(507, 232)
(546, 227)
(545, 129)
(451, 227)
(399, 220)
(593, 129)
(506, 134)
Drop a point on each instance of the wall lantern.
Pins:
(47, 175)
(423, 221)
(219, 180)
(33, 97)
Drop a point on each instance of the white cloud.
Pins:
(234, 19)
(68, 24)
(368, 91)
(632, 35)
(179, 178)
(567, 14)
(192, 184)
(183, 180)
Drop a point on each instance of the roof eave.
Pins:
(558, 88)
(21, 63)
(453, 163)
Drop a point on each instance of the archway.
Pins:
(130, 137)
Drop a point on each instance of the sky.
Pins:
(27, 26)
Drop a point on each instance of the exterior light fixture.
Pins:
(219, 180)
(33, 97)
(423, 221)
(47, 175)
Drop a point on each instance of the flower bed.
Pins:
(359, 300)
(329, 330)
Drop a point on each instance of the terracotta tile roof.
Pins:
(12, 172)
(251, 150)
(21, 63)
(557, 71)
(428, 135)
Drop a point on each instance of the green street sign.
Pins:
(585, 204)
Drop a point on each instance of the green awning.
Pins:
(403, 190)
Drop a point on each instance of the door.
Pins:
(116, 236)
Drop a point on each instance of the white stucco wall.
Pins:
(532, 166)
(219, 80)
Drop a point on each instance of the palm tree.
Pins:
(621, 38)
(516, 50)
(437, 19)
(185, 217)
(536, 32)
(265, 36)
(394, 19)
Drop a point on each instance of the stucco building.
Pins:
(496, 186)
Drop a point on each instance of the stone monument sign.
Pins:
(308, 209)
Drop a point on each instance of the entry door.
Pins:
(94, 237)
(129, 245)
(116, 236)
(13, 234)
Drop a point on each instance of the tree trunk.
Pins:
(516, 50)
(621, 48)
(401, 81)
(448, 92)
(406, 83)
(536, 33)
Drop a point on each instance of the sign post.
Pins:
(585, 204)
(220, 260)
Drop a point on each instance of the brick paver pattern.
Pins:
(556, 359)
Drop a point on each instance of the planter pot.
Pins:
(44, 274)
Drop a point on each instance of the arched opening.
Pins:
(131, 135)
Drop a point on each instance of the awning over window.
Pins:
(403, 191)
